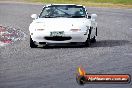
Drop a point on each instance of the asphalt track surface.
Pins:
(23, 67)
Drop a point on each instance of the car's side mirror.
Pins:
(34, 16)
(93, 16)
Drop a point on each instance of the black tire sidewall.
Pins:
(32, 45)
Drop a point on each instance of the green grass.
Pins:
(100, 3)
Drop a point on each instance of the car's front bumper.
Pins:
(68, 37)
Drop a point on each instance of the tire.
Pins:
(88, 41)
(32, 45)
(96, 31)
(93, 40)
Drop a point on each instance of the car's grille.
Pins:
(57, 38)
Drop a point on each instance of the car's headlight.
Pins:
(40, 29)
(75, 30)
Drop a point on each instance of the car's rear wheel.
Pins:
(32, 44)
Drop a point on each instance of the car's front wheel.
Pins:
(32, 44)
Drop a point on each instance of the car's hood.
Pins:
(60, 23)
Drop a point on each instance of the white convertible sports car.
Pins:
(63, 24)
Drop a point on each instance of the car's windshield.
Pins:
(69, 11)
